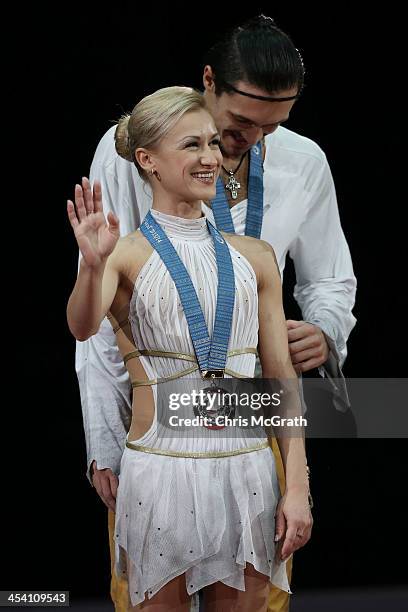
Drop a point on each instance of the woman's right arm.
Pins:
(98, 277)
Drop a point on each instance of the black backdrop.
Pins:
(80, 66)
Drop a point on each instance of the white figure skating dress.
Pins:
(179, 509)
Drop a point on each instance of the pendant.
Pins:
(216, 406)
(233, 185)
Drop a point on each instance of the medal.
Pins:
(215, 408)
(216, 405)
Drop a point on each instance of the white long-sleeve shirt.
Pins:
(301, 219)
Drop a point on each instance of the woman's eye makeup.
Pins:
(215, 141)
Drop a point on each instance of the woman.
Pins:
(196, 511)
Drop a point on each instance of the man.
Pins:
(252, 79)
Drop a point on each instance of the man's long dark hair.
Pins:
(259, 53)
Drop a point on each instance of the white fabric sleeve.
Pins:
(105, 399)
(104, 383)
(325, 283)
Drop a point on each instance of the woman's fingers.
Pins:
(79, 203)
(297, 535)
(89, 203)
(289, 545)
(88, 200)
(97, 197)
(113, 222)
(302, 539)
(72, 214)
(280, 525)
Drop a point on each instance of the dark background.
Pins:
(80, 67)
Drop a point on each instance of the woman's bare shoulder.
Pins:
(135, 238)
(132, 243)
(253, 246)
(131, 251)
(259, 253)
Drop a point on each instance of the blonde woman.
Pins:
(187, 303)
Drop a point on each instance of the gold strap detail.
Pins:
(119, 326)
(185, 357)
(197, 455)
(235, 374)
(242, 351)
(156, 381)
(131, 355)
(154, 353)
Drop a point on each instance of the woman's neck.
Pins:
(185, 210)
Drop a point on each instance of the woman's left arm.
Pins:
(293, 518)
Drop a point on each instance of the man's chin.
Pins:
(235, 150)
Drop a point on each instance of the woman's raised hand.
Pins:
(96, 238)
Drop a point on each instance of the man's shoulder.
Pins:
(107, 142)
(106, 154)
(290, 143)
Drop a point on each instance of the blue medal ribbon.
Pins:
(221, 209)
(211, 354)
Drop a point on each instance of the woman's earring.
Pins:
(157, 175)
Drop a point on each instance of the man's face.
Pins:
(243, 121)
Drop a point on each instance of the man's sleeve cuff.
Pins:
(101, 465)
(331, 368)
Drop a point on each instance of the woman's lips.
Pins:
(204, 177)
